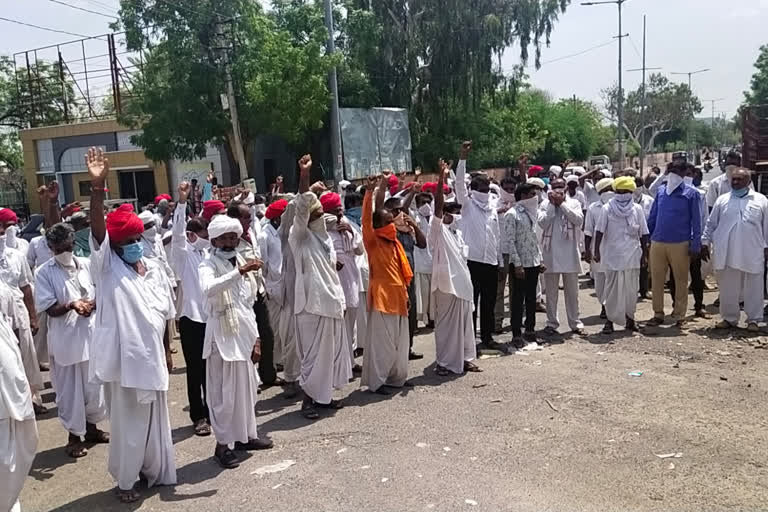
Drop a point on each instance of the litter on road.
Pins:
(274, 468)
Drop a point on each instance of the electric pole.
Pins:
(690, 88)
(333, 85)
(236, 141)
(644, 102)
(620, 102)
(713, 116)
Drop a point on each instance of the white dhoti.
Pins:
(425, 309)
(350, 322)
(599, 277)
(571, 292)
(274, 309)
(361, 327)
(454, 332)
(540, 289)
(735, 286)
(325, 360)
(29, 359)
(41, 338)
(18, 444)
(385, 360)
(77, 400)
(140, 441)
(620, 294)
(231, 391)
(289, 349)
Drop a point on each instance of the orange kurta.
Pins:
(390, 273)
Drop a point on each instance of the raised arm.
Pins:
(415, 189)
(440, 193)
(179, 237)
(583, 178)
(462, 195)
(381, 192)
(305, 168)
(98, 169)
(49, 203)
(367, 218)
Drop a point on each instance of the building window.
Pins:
(124, 140)
(45, 156)
(85, 188)
(73, 159)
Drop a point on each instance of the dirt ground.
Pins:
(565, 428)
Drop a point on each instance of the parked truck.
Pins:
(755, 144)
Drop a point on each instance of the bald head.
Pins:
(740, 178)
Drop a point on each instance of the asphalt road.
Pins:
(561, 429)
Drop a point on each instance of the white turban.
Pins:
(572, 179)
(147, 216)
(607, 173)
(578, 171)
(495, 189)
(603, 184)
(537, 182)
(556, 169)
(221, 224)
(249, 199)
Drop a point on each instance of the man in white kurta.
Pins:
(318, 303)
(133, 304)
(230, 337)
(348, 245)
(289, 350)
(64, 290)
(452, 292)
(621, 246)
(422, 263)
(15, 272)
(18, 429)
(560, 219)
(604, 188)
(737, 236)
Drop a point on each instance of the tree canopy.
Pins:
(758, 91)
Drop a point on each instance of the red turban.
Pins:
(534, 170)
(330, 201)
(276, 209)
(394, 184)
(211, 208)
(8, 216)
(431, 187)
(161, 197)
(123, 223)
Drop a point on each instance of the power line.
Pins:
(83, 9)
(43, 28)
(578, 53)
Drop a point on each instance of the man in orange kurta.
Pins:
(385, 360)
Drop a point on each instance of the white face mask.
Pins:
(426, 210)
(10, 237)
(531, 204)
(260, 209)
(150, 233)
(688, 180)
(480, 197)
(606, 196)
(673, 181)
(65, 259)
(2, 244)
(201, 244)
(506, 197)
(623, 198)
(318, 225)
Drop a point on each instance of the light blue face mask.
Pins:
(741, 192)
(132, 253)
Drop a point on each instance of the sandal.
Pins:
(97, 436)
(442, 371)
(308, 409)
(76, 450)
(608, 328)
(334, 404)
(202, 428)
(472, 367)
(129, 496)
(39, 409)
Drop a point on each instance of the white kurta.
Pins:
(232, 383)
(127, 355)
(560, 239)
(18, 429)
(38, 252)
(319, 305)
(422, 275)
(288, 349)
(347, 246)
(596, 269)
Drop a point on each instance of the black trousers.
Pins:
(644, 282)
(484, 281)
(697, 284)
(192, 337)
(524, 295)
(267, 371)
(412, 319)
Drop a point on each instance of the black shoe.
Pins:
(358, 352)
(414, 356)
(357, 370)
(255, 444)
(308, 409)
(603, 314)
(227, 459)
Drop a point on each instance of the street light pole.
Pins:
(620, 101)
(713, 115)
(333, 85)
(690, 88)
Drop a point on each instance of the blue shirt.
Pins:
(207, 192)
(675, 217)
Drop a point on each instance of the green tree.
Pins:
(758, 92)
(668, 106)
(279, 76)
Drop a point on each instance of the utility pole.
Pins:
(690, 88)
(333, 85)
(232, 104)
(713, 116)
(620, 106)
(644, 101)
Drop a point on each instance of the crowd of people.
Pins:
(310, 291)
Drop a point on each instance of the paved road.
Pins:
(562, 429)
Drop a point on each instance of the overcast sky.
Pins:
(683, 35)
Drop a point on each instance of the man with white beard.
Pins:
(18, 429)
(134, 302)
(15, 272)
(319, 303)
(231, 342)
